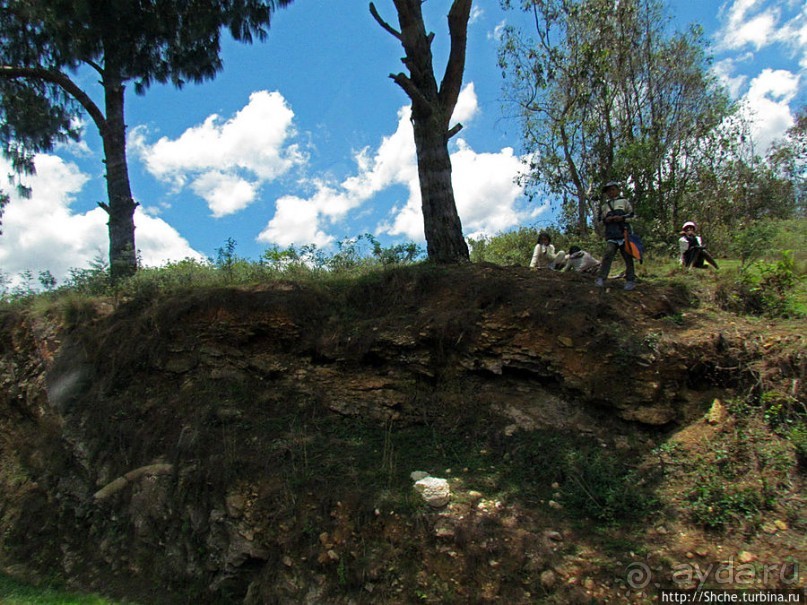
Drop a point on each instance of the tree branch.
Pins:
(95, 66)
(458, 18)
(454, 130)
(412, 91)
(383, 23)
(61, 80)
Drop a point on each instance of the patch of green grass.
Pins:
(742, 474)
(13, 592)
(716, 504)
(798, 437)
(593, 482)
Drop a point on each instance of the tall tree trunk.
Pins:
(112, 128)
(441, 222)
(580, 192)
(431, 113)
(121, 207)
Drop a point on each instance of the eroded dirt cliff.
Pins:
(256, 444)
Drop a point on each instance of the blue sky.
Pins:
(304, 138)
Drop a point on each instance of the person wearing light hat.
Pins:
(690, 244)
(614, 213)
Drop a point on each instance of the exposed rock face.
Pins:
(143, 441)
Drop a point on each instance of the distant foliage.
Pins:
(792, 235)
(353, 256)
(514, 248)
(753, 242)
(507, 248)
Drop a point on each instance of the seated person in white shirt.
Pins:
(581, 261)
(544, 255)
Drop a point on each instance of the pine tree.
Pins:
(44, 42)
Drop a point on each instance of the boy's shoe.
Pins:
(599, 282)
(629, 285)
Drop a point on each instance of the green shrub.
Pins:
(798, 437)
(742, 473)
(715, 503)
(91, 281)
(601, 486)
(764, 288)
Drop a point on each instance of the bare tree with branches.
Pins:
(432, 108)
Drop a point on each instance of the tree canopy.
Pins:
(44, 42)
(604, 92)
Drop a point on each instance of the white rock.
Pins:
(435, 492)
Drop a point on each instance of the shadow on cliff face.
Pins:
(256, 444)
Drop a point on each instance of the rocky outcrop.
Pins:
(176, 438)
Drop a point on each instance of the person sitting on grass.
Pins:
(544, 255)
(581, 261)
(693, 253)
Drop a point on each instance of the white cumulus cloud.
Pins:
(767, 94)
(726, 71)
(43, 232)
(762, 23)
(226, 161)
(485, 191)
(768, 105)
(743, 29)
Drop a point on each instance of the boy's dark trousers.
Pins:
(608, 258)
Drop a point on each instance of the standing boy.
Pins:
(614, 213)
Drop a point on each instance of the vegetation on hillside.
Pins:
(764, 267)
(335, 488)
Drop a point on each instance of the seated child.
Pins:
(544, 255)
(693, 254)
(581, 261)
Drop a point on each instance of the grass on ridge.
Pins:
(13, 592)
